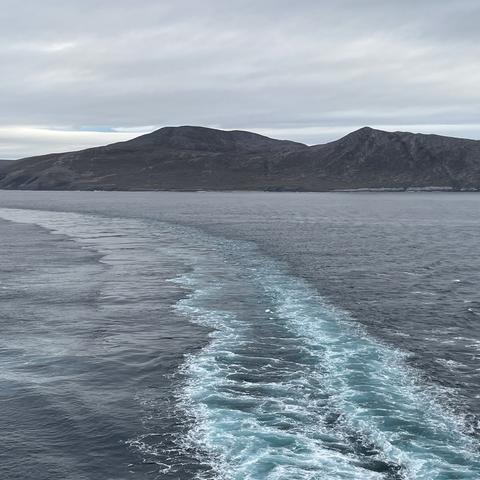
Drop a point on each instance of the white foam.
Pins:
(368, 385)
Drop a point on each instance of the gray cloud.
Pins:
(309, 70)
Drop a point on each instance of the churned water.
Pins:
(239, 336)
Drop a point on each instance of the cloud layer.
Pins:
(84, 73)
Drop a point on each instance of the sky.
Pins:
(77, 73)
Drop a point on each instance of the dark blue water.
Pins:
(239, 336)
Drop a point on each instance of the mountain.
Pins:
(198, 158)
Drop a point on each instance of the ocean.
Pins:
(239, 336)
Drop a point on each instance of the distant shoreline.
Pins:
(430, 189)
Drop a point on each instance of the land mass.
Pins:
(198, 158)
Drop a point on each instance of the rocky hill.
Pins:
(197, 158)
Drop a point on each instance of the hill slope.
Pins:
(5, 163)
(193, 158)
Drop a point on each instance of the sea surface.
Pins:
(239, 336)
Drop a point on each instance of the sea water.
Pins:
(147, 348)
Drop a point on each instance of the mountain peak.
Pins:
(189, 137)
(368, 134)
(367, 131)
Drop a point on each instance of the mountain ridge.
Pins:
(201, 158)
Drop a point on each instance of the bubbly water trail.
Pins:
(298, 391)
(288, 387)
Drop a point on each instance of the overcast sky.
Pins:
(79, 73)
